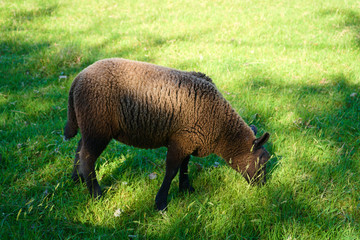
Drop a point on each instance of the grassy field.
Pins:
(292, 68)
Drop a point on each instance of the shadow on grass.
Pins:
(350, 20)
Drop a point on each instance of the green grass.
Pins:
(290, 67)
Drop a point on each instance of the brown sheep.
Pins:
(150, 106)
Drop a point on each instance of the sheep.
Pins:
(150, 106)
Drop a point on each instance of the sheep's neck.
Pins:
(236, 142)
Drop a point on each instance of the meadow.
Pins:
(292, 68)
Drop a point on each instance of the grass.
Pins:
(290, 67)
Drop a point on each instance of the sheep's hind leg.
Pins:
(90, 151)
(184, 183)
(76, 175)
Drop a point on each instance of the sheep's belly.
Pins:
(142, 141)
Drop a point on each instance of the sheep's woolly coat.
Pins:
(146, 105)
(150, 106)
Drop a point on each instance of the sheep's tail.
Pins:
(71, 127)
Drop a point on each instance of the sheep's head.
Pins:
(252, 162)
(255, 171)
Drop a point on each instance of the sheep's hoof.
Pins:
(188, 189)
(96, 194)
(161, 202)
(161, 206)
(76, 177)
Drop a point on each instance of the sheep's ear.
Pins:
(261, 140)
(254, 129)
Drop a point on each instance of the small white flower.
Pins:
(118, 212)
(152, 176)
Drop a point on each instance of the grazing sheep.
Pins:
(150, 106)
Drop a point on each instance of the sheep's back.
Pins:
(145, 105)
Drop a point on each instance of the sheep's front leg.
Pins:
(184, 183)
(174, 158)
